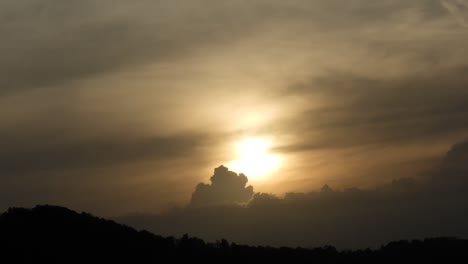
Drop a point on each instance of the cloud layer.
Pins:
(133, 102)
(350, 218)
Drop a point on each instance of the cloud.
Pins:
(227, 187)
(128, 81)
(51, 42)
(75, 153)
(56, 156)
(459, 9)
(349, 218)
(457, 156)
(360, 110)
(47, 43)
(452, 172)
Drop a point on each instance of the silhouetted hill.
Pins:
(58, 235)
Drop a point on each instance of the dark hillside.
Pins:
(51, 234)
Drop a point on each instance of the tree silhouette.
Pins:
(58, 235)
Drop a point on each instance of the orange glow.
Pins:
(254, 159)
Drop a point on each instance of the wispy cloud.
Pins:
(99, 84)
(459, 9)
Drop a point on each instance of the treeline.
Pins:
(58, 235)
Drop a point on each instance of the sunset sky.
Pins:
(119, 107)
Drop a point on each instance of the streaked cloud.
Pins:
(459, 9)
(94, 86)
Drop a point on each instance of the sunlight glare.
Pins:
(254, 159)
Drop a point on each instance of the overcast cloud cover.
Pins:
(117, 107)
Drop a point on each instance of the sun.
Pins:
(254, 158)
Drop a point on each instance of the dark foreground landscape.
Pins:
(58, 235)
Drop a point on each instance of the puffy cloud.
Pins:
(452, 173)
(350, 218)
(457, 157)
(226, 187)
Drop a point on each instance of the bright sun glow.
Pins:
(254, 159)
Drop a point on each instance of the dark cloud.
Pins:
(459, 9)
(452, 173)
(362, 110)
(42, 154)
(105, 173)
(350, 218)
(457, 157)
(52, 42)
(227, 187)
(146, 80)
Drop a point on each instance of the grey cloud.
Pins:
(452, 173)
(85, 167)
(52, 154)
(50, 42)
(53, 42)
(459, 9)
(226, 187)
(298, 148)
(350, 218)
(362, 110)
(457, 156)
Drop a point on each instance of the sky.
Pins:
(119, 107)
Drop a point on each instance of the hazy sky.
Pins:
(117, 106)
